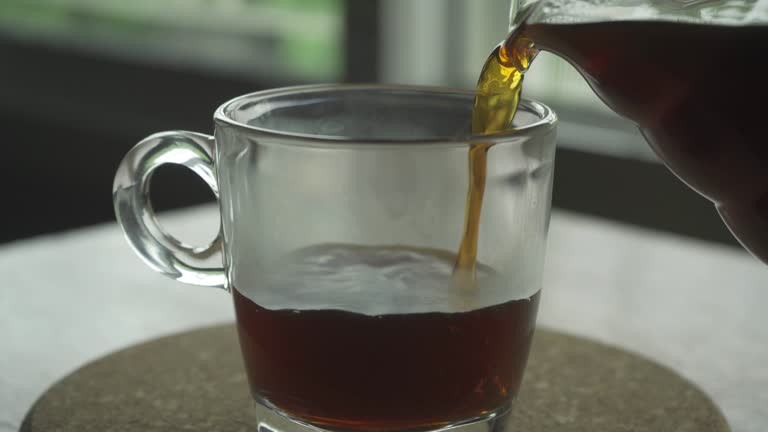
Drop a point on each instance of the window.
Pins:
(302, 39)
(97, 75)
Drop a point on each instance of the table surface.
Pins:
(693, 306)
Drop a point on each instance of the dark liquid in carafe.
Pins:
(698, 94)
(350, 371)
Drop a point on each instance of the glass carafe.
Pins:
(690, 74)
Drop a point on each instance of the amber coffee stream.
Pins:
(498, 95)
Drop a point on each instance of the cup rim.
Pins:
(546, 123)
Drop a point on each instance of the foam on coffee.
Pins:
(376, 281)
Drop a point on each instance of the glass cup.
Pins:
(342, 210)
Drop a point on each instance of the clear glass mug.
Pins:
(342, 208)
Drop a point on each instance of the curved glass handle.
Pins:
(130, 194)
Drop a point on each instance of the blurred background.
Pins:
(81, 81)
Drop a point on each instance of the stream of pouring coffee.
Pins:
(498, 95)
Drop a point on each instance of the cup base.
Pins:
(272, 419)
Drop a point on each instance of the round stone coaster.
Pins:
(195, 381)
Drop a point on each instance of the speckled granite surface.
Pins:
(194, 382)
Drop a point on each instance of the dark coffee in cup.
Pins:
(362, 338)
